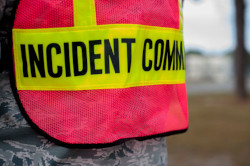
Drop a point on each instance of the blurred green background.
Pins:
(219, 103)
(218, 135)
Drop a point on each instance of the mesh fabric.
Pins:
(162, 13)
(44, 14)
(104, 116)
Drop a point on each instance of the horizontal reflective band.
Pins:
(98, 57)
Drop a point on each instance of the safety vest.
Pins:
(98, 72)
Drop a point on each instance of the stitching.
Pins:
(104, 86)
(98, 27)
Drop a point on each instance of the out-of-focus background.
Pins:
(217, 41)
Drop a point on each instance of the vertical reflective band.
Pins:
(84, 13)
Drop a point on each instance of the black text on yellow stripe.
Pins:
(168, 55)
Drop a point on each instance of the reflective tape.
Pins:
(98, 57)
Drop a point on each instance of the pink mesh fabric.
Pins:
(104, 116)
(162, 13)
(44, 14)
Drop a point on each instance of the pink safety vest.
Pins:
(97, 72)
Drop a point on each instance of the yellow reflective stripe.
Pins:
(105, 62)
(181, 15)
(84, 12)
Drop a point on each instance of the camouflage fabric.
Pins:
(21, 145)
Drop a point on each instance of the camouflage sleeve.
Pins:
(21, 145)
